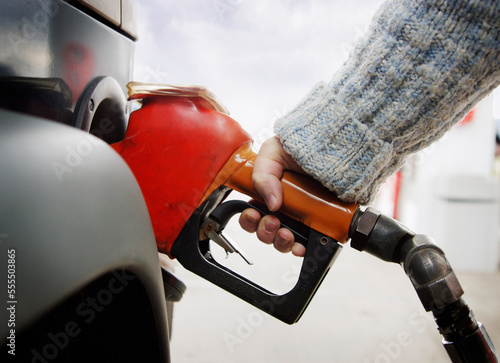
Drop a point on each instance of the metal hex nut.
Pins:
(440, 293)
(363, 228)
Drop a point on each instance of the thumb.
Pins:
(266, 175)
(271, 162)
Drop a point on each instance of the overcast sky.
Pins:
(258, 56)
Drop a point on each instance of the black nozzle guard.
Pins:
(321, 252)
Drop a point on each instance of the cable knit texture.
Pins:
(421, 67)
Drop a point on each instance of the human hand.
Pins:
(272, 160)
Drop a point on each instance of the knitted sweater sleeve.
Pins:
(420, 68)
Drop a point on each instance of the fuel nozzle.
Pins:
(433, 278)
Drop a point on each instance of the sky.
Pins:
(259, 57)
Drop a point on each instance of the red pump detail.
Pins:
(175, 146)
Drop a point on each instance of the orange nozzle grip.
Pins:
(304, 199)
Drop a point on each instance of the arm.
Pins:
(421, 67)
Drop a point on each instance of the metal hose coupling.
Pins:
(465, 339)
(437, 286)
(430, 273)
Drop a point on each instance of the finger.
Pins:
(298, 249)
(284, 240)
(267, 229)
(249, 220)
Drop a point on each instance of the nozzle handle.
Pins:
(304, 199)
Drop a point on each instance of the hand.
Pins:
(272, 160)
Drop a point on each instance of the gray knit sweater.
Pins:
(421, 67)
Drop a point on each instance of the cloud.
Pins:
(258, 56)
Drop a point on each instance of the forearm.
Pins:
(420, 68)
